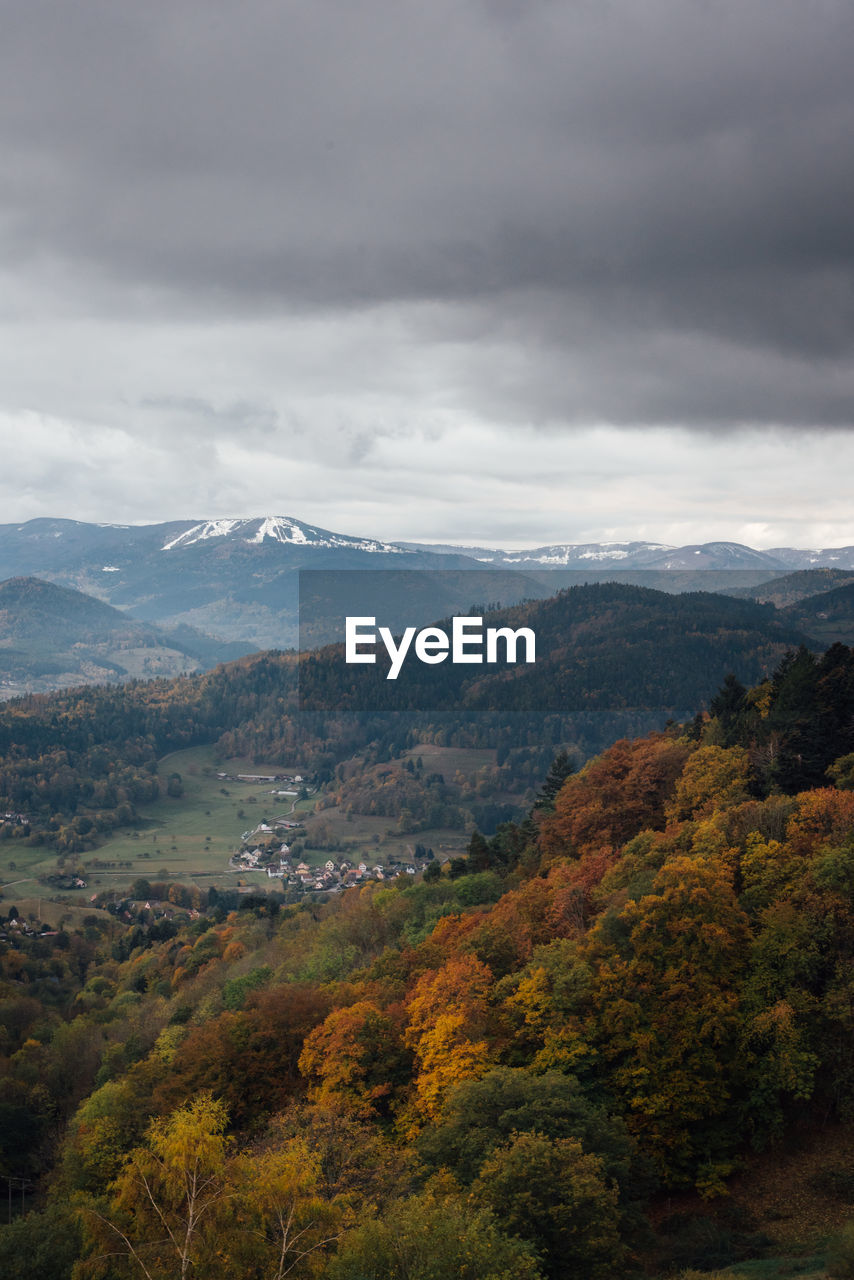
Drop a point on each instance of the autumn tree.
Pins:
(447, 1028)
(712, 779)
(168, 1206)
(286, 1225)
(614, 797)
(667, 1016)
(354, 1060)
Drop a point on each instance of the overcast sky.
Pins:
(499, 271)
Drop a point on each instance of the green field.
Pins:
(189, 838)
(56, 914)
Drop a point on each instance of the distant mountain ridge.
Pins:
(235, 579)
(653, 555)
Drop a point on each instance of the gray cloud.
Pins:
(326, 228)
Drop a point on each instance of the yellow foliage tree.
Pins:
(667, 1015)
(288, 1225)
(167, 1212)
(447, 1022)
(713, 778)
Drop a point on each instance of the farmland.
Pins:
(190, 837)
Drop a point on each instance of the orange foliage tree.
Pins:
(614, 797)
(354, 1060)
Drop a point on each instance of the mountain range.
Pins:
(232, 579)
(212, 589)
(653, 556)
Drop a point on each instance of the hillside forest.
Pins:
(570, 1053)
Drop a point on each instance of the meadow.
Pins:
(190, 837)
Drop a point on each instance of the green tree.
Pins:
(40, 1246)
(480, 1115)
(433, 1236)
(561, 768)
(547, 1191)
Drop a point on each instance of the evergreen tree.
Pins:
(562, 767)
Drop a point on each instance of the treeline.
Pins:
(795, 725)
(77, 763)
(616, 661)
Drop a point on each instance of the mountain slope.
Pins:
(52, 637)
(828, 616)
(792, 587)
(612, 658)
(233, 579)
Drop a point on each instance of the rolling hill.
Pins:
(53, 637)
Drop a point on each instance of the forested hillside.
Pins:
(617, 660)
(51, 638)
(510, 1067)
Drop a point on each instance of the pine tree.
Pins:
(562, 768)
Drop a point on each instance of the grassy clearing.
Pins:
(191, 838)
(374, 836)
(450, 760)
(55, 914)
(783, 1268)
(20, 868)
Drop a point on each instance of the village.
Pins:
(262, 849)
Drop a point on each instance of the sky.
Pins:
(506, 272)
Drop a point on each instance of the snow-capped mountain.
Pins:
(277, 529)
(648, 555)
(827, 558)
(234, 579)
(653, 556)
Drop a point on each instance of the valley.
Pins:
(505, 929)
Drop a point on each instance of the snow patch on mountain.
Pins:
(568, 553)
(281, 529)
(202, 533)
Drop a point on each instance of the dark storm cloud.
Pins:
(640, 212)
